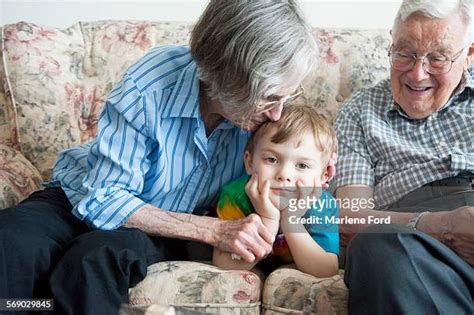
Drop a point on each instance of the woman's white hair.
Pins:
(438, 9)
(247, 49)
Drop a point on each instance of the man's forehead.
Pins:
(421, 32)
(412, 44)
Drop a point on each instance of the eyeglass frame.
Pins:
(268, 106)
(422, 58)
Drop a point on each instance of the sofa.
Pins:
(53, 84)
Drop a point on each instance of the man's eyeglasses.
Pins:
(268, 106)
(433, 63)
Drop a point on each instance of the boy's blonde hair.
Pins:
(295, 120)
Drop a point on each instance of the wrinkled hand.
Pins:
(261, 199)
(331, 169)
(454, 229)
(247, 238)
(460, 235)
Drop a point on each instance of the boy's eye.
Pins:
(302, 166)
(270, 159)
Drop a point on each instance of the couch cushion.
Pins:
(152, 309)
(18, 178)
(199, 287)
(289, 291)
(59, 79)
(45, 82)
(350, 59)
(8, 132)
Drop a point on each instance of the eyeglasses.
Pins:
(433, 63)
(268, 106)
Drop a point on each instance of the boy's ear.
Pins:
(248, 162)
(324, 175)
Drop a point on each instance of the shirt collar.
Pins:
(467, 81)
(184, 98)
(469, 78)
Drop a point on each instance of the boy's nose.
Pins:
(283, 176)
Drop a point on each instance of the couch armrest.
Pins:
(18, 177)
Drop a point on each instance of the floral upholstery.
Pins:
(199, 287)
(289, 291)
(18, 177)
(53, 84)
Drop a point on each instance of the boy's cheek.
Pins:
(312, 182)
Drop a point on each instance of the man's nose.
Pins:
(418, 72)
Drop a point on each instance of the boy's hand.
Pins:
(306, 198)
(261, 199)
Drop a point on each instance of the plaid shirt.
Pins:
(380, 146)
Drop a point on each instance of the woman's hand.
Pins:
(248, 238)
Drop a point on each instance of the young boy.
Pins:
(287, 162)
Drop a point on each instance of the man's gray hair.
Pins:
(438, 9)
(246, 49)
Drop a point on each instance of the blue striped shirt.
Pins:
(380, 146)
(151, 147)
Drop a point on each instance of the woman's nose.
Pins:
(274, 114)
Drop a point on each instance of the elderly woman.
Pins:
(171, 134)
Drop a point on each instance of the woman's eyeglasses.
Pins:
(268, 106)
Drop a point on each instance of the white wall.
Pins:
(328, 13)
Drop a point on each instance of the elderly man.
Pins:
(408, 144)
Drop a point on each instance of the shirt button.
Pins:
(339, 98)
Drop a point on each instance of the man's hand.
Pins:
(261, 199)
(247, 238)
(453, 228)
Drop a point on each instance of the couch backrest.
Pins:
(53, 82)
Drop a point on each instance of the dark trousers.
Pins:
(394, 269)
(45, 252)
